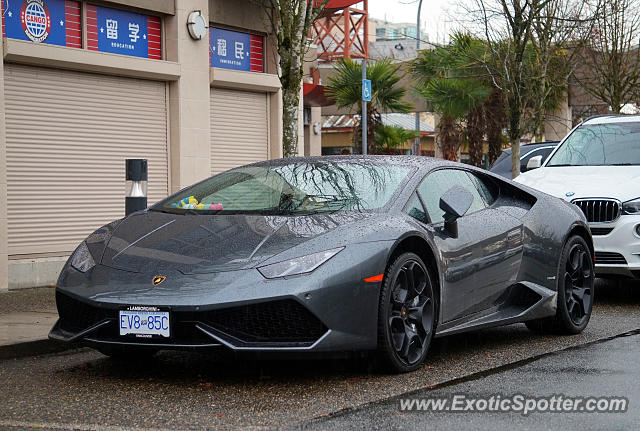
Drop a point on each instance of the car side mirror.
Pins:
(455, 203)
(534, 162)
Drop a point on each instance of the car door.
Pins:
(477, 266)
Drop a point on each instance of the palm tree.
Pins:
(345, 88)
(389, 138)
(495, 121)
(451, 80)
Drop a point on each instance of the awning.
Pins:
(341, 4)
(338, 4)
(314, 95)
(333, 6)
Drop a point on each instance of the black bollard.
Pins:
(136, 176)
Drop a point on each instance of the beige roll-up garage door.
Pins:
(239, 128)
(68, 135)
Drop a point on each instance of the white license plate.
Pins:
(144, 322)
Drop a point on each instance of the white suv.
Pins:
(597, 167)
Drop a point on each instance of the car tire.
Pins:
(575, 287)
(406, 315)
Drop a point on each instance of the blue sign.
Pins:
(40, 21)
(366, 90)
(122, 32)
(230, 49)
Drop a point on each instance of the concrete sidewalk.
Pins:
(26, 316)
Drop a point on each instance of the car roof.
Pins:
(612, 118)
(420, 162)
(532, 146)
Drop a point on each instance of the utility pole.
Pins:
(364, 107)
(416, 143)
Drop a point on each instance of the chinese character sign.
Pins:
(235, 50)
(112, 29)
(122, 32)
(43, 21)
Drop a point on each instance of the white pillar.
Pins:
(4, 270)
(558, 124)
(189, 98)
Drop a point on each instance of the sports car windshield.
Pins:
(613, 144)
(295, 188)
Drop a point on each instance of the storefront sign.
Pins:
(55, 22)
(122, 32)
(236, 50)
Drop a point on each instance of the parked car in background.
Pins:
(597, 167)
(502, 165)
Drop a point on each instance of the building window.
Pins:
(306, 115)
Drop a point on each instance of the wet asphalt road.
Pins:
(605, 369)
(85, 390)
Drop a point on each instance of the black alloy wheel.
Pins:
(576, 276)
(407, 314)
(578, 284)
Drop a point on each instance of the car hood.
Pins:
(152, 241)
(572, 182)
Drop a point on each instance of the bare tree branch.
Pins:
(290, 21)
(609, 64)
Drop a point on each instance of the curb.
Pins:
(33, 348)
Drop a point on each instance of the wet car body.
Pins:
(500, 267)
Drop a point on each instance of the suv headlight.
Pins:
(82, 259)
(631, 207)
(298, 265)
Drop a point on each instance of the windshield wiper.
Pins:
(330, 199)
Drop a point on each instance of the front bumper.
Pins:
(617, 251)
(281, 323)
(331, 309)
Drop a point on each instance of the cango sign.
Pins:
(55, 22)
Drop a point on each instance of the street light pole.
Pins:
(364, 110)
(416, 143)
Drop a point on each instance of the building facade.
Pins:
(386, 30)
(85, 85)
(337, 133)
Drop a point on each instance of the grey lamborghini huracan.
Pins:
(326, 254)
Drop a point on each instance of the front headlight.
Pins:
(299, 265)
(82, 259)
(631, 207)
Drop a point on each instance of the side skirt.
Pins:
(524, 301)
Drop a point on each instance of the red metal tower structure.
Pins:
(342, 31)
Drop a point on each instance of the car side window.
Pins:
(544, 152)
(487, 188)
(415, 209)
(438, 183)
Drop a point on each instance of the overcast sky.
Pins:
(435, 13)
